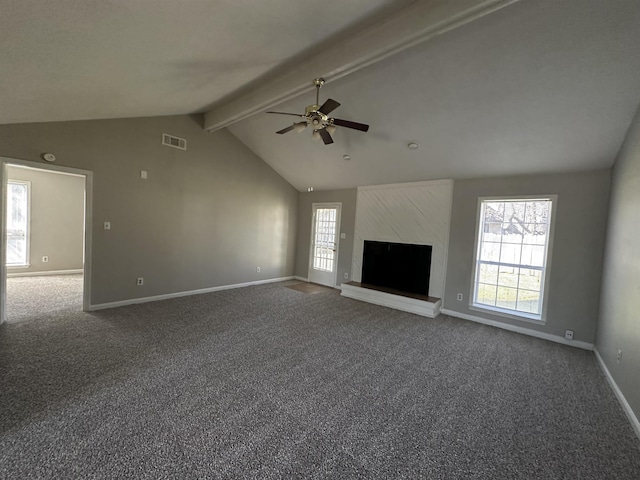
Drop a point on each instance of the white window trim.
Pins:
(28, 233)
(502, 312)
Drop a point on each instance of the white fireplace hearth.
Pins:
(427, 307)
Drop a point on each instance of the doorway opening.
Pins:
(323, 261)
(45, 254)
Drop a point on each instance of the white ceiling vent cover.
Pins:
(175, 142)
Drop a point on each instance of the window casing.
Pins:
(512, 257)
(18, 200)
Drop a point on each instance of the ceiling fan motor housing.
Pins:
(316, 118)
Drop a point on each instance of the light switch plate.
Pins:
(107, 225)
(343, 236)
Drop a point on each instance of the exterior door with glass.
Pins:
(323, 262)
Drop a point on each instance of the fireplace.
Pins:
(398, 266)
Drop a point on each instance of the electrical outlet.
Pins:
(346, 276)
(568, 334)
(107, 225)
(140, 281)
(258, 270)
(460, 297)
(45, 259)
(619, 357)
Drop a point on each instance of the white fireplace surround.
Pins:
(417, 213)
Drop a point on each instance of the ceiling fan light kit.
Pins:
(317, 116)
(299, 127)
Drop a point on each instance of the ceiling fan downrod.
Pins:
(318, 82)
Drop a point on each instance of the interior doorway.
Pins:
(46, 245)
(323, 262)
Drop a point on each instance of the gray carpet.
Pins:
(268, 382)
(310, 288)
(43, 296)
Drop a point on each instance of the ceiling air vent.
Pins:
(175, 142)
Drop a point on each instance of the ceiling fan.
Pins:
(318, 117)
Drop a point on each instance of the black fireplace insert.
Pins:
(399, 266)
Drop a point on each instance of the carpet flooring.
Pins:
(269, 382)
(310, 288)
(43, 296)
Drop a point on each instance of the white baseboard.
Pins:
(166, 296)
(40, 274)
(523, 330)
(621, 398)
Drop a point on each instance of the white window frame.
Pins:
(27, 263)
(544, 290)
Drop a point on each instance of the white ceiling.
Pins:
(90, 59)
(537, 86)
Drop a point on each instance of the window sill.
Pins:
(521, 317)
(12, 267)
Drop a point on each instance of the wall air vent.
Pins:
(175, 142)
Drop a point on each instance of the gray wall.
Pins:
(619, 323)
(205, 217)
(578, 245)
(347, 226)
(57, 220)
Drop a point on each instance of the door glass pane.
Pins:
(17, 223)
(325, 239)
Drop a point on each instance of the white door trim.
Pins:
(314, 206)
(88, 218)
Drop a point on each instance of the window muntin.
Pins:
(17, 223)
(512, 254)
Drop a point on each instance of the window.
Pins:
(17, 223)
(513, 243)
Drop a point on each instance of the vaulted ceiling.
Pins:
(485, 87)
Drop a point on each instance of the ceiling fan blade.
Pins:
(285, 113)
(328, 107)
(285, 130)
(326, 136)
(346, 123)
